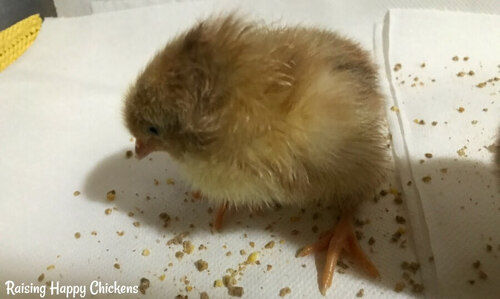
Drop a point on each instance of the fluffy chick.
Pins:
(256, 115)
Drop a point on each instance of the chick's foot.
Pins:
(342, 237)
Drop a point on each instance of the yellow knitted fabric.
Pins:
(17, 38)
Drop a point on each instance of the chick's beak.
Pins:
(143, 148)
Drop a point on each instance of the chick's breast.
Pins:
(303, 121)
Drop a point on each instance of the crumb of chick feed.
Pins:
(395, 108)
(474, 122)
(179, 255)
(252, 244)
(360, 293)
(120, 233)
(434, 123)
(422, 65)
(285, 291)
(235, 291)
(461, 151)
(460, 74)
(77, 235)
(76, 193)
(111, 195)
(218, 283)
(466, 58)
(471, 73)
(201, 265)
(461, 109)
(455, 58)
(371, 241)
(400, 219)
(481, 85)
(187, 247)
(253, 257)
(170, 181)
(269, 245)
(269, 267)
(428, 155)
(476, 264)
(145, 252)
(426, 179)
(143, 285)
(162, 277)
(397, 67)
(129, 154)
(117, 266)
(204, 295)
(136, 224)
(41, 277)
(108, 211)
(51, 267)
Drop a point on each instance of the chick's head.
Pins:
(177, 104)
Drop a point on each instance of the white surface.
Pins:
(461, 207)
(61, 127)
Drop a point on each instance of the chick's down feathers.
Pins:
(256, 115)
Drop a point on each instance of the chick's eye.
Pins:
(153, 130)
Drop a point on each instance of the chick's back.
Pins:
(294, 114)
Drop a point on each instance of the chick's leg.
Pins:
(336, 240)
(219, 217)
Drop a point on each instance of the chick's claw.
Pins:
(219, 217)
(341, 238)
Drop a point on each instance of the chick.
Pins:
(256, 115)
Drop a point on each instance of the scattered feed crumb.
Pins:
(397, 67)
(461, 109)
(136, 224)
(108, 211)
(76, 193)
(235, 291)
(466, 58)
(218, 283)
(426, 179)
(179, 254)
(423, 64)
(360, 293)
(41, 277)
(111, 195)
(252, 244)
(116, 265)
(120, 233)
(481, 85)
(474, 122)
(188, 247)
(285, 291)
(269, 245)
(460, 74)
(461, 151)
(129, 154)
(434, 123)
(204, 295)
(253, 257)
(455, 58)
(145, 252)
(400, 220)
(50, 267)
(428, 155)
(395, 108)
(170, 181)
(269, 267)
(143, 285)
(77, 235)
(471, 73)
(371, 241)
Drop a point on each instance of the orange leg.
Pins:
(220, 216)
(342, 237)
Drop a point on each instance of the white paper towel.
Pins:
(444, 59)
(61, 130)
